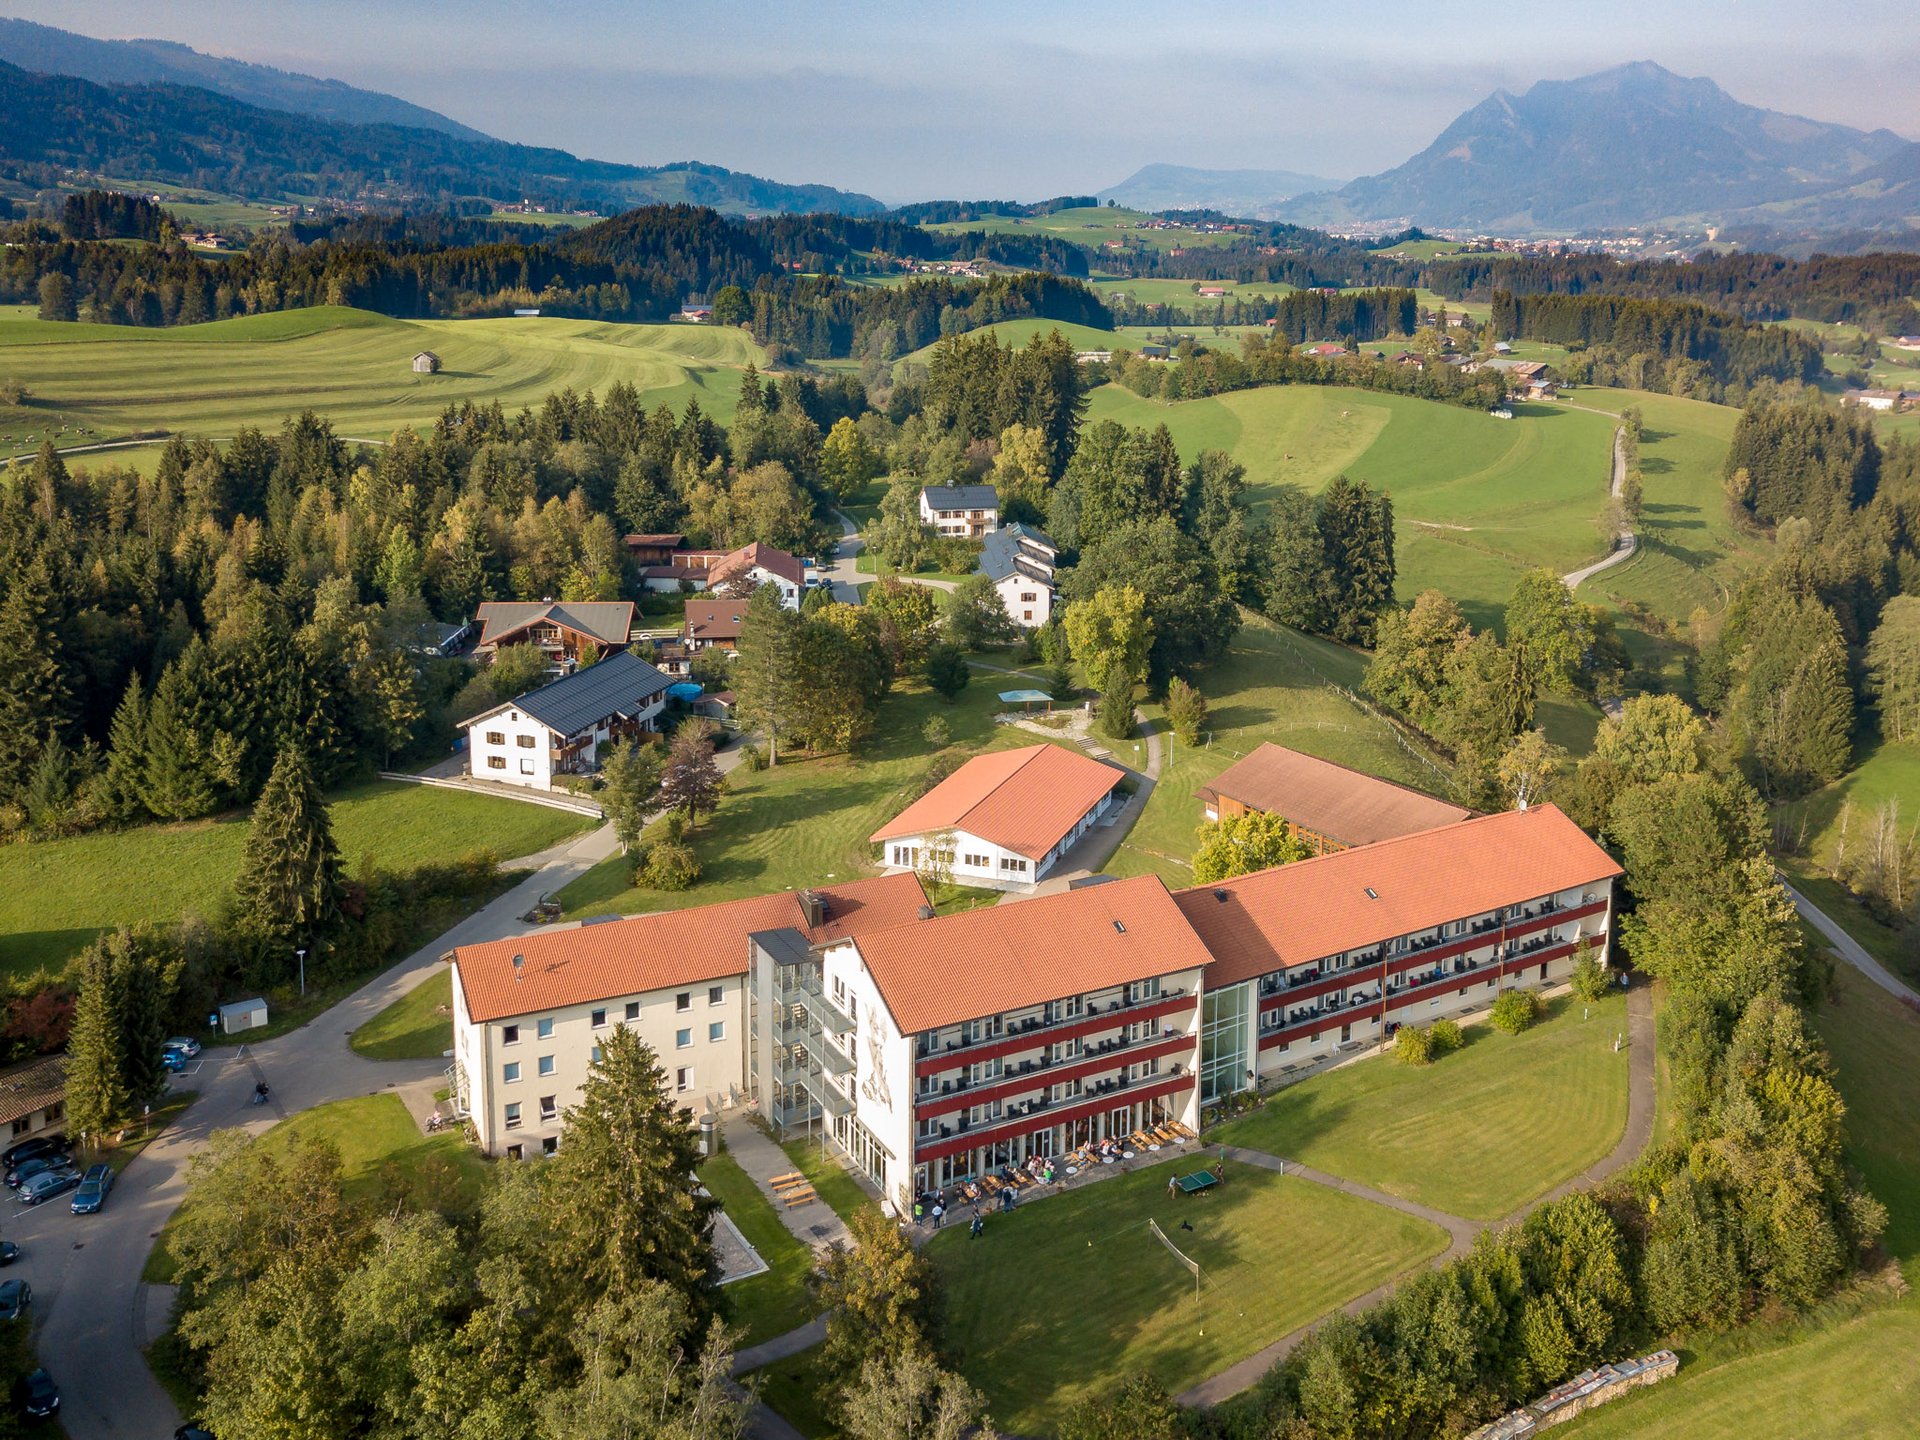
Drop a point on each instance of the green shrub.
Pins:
(671, 865)
(1515, 1010)
(752, 759)
(669, 829)
(1413, 1045)
(1447, 1036)
(1591, 979)
(936, 732)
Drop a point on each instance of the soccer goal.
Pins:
(1178, 1254)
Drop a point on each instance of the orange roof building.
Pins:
(1003, 819)
(1330, 806)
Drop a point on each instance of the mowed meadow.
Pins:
(352, 366)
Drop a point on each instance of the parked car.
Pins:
(15, 1297)
(174, 1060)
(33, 1149)
(184, 1043)
(37, 1395)
(9, 1252)
(94, 1186)
(47, 1185)
(39, 1165)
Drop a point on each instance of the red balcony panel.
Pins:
(1012, 1044)
(959, 1144)
(929, 1107)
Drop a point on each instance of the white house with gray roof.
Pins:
(1020, 561)
(969, 511)
(557, 729)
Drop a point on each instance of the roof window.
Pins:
(1119, 929)
(1372, 894)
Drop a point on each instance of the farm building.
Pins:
(426, 363)
(567, 630)
(1328, 805)
(33, 1096)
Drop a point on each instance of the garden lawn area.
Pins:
(351, 366)
(1476, 500)
(1068, 1296)
(806, 822)
(868, 563)
(777, 1301)
(56, 895)
(383, 1155)
(831, 1180)
(791, 1388)
(417, 1026)
(1455, 1135)
(1272, 685)
(1849, 1369)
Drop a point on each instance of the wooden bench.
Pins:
(792, 1177)
(795, 1198)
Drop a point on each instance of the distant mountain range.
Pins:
(1634, 145)
(163, 113)
(1250, 193)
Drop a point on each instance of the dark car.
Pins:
(9, 1252)
(94, 1186)
(47, 1185)
(33, 1149)
(174, 1060)
(38, 1165)
(37, 1395)
(15, 1297)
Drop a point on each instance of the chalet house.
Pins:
(1325, 350)
(426, 363)
(1877, 399)
(968, 511)
(1905, 342)
(750, 565)
(653, 549)
(1020, 561)
(1002, 819)
(568, 630)
(1212, 292)
(33, 1096)
(1328, 805)
(713, 624)
(557, 729)
(697, 313)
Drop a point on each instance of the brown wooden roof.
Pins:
(1344, 805)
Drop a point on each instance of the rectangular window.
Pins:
(509, 1034)
(683, 1001)
(513, 1116)
(682, 1039)
(510, 1072)
(496, 762)
(496, 737)
(598, 1019)
(549, 1145)
(717, 1031)
(526, 767)
(596, 1054)
(525, 742)
(548, 1109)
(546, 1065)
(544, 1028)
(717, 995)
(515, 1152)
(683, 1079)
(633, 1009)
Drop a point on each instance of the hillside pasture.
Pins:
(352, 366)
(1092, 226)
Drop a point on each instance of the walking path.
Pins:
(813, 1224)
(1461, 1232)
(1850, 949)
(1626, 542)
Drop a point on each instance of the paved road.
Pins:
(1626, 542)
(1850, 949)
(95, 1315)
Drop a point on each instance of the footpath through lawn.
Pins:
(1478, 1133)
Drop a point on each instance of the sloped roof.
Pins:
(738, 562)
(655, 952)
(961, 497)
(1342, 804)
(1001, 957)
(1315, 908)
(28, 1088)
(607, 621)
(619, 685)
(715, 619)
(1022, 800)
(1011, 548)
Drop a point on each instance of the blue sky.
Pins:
(1021, 100)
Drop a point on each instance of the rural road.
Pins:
(1626, 542)
(95, 1315)
(1850, 949)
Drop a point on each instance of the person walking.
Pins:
(978, 1225)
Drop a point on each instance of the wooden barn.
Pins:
(426, 363)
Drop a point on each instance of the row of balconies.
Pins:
(1060, 1112)
(961, 1094)
(1034, 1030)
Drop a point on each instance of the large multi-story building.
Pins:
(935, 1048)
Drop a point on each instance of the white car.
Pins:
(185, 1044)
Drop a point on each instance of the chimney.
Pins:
(813, 909)
(926, 912)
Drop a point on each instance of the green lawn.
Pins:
(383, 1154)
(1181, 293)
(773, 1303)
(1454, 1135)
(790, 1388)
(417, 1026)
(1273, 685)
(56, 895)
(867, 563)
(1066, 1297)
(1090, 225)
(105, 381)
(830, 1180)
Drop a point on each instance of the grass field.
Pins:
(1066, 1297)
(382, 1153)
(417, 1026)
(1476, 500)
(770, 1304)
(1273, 685)
(1092, 226)
(350, 365)
(56, 895)
(1180, 293)
(1838, 816)
(1449, 1135)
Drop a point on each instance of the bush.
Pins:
(670, 865)
(1413, 1045)
(936, 732)
(1446, 1036)
(1591, 979)
(669, 829)
(1515, 1010)
(752, 759)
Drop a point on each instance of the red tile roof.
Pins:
(738, 562)
(1002, 957)
(1320, 907)
(1344, 805)
(656, 952)
(1022, 800)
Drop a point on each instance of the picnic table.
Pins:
(1197, 1182)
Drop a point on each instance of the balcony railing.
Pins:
(1037, 1031)
(961, 1094)
(955, 1139)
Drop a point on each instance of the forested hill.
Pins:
(51, 125)
(148, 62)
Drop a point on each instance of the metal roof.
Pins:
(961, 497)
(619, 685)
(1002, 553)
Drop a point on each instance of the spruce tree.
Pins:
(177, 780)
(770, 673)
(36, 700)
(127, 752)
(289, 887)
(98, 1092)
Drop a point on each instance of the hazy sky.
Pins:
(1021, 100)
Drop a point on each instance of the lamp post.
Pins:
(302, 953)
